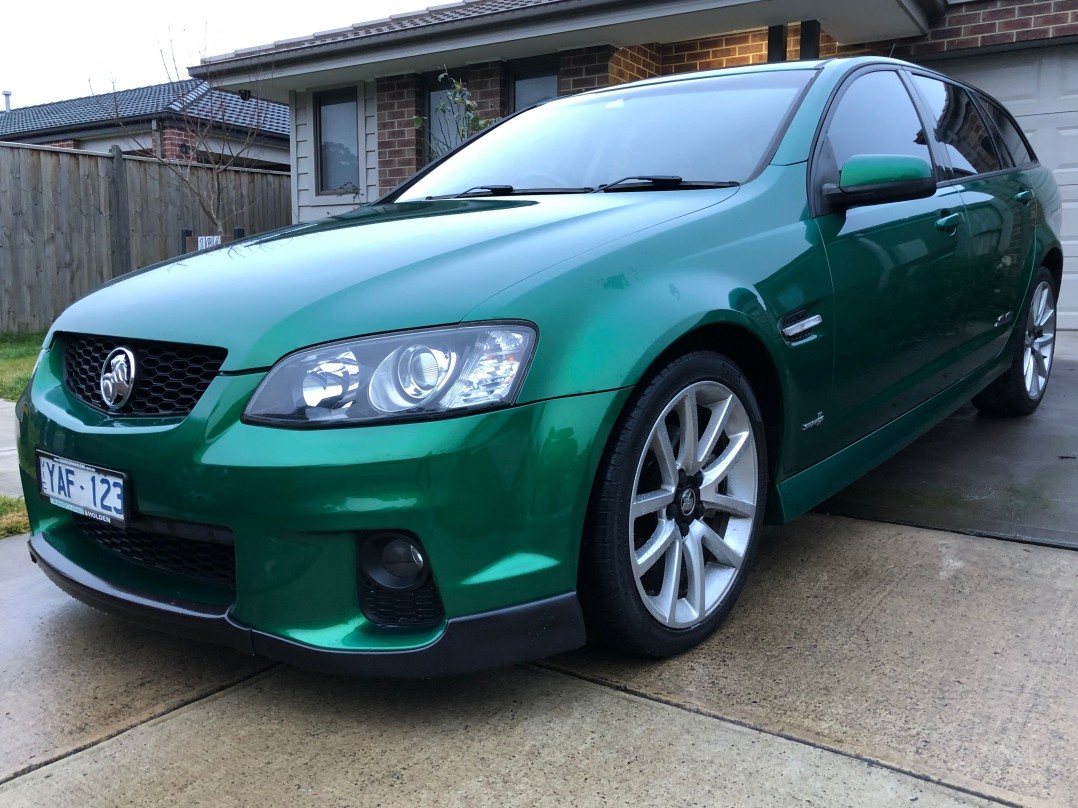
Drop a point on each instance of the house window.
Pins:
(337, 117)
(532, 81)
(446, 125)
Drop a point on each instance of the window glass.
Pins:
(588, 140)
(531, 90)
(959, 127)
(338, 142)
(1012, 137)
(875, 116)
(447, 127)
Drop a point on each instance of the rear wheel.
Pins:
(678, 507)
(1020, 389)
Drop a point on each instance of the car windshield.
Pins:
(715, 129)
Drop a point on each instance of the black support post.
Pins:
(810, 39)
(776, 43)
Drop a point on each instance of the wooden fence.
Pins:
(72, 220)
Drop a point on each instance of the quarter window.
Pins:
(1013, 140)
(875, 115)
(337, 119)
(959, 128)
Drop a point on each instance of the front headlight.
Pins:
(410, 375)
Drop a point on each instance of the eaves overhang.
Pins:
(364, 52)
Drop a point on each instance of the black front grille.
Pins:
(200, 552)
(169, 378)
(391, 607)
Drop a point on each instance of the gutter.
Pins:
(494, 27)
(215, 68)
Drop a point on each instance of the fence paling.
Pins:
(71, 220)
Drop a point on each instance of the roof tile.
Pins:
(194, 95)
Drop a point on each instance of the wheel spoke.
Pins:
(720, 415)
(655, 547)
(1039, 305)
(731, 505)
(726, 555)
(1033, 382)
(644, 504)
(664, 455)
(1045, 314)
(666, 600)
(694, 573)
(690, 431)
(717, 471)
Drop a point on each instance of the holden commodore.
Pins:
(550, 388)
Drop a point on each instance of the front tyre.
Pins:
(677, 510)
(1020, 389)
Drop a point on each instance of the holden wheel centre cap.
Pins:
(688, 502)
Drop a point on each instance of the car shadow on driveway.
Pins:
(1014, 478)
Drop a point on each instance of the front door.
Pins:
(898, 271)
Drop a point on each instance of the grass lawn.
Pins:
(18, 353)
(12, 517)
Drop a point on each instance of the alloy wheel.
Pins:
(1040, 339)
(694, 504)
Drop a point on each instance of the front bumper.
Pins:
(500, 637)
(497, 499)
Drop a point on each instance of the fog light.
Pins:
(393, 561)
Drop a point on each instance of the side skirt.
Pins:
(806, 489)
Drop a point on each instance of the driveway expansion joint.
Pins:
(172, 707)
(642, 694)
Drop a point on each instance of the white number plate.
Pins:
(82, 489)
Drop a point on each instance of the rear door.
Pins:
(899, 277)
(1000, 205)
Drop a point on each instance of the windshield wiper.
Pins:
(661, 182)
(509, 190)
(487, 190)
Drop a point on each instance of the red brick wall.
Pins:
(970, 25)
(635, 62)
(714, 52)
(584, 69)
(61, 144)
(983, 24)
(172, 142)
(489, 86)
(400, 145)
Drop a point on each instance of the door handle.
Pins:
(1025, 197)
(949, 222)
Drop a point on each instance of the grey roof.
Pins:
(189, 98)
(411, 21)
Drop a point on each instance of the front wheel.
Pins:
(677, 510)
(1020, 389)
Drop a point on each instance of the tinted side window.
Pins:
(875, 115)
(1013, 140)
(959, 128)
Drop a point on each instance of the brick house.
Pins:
(174, 121)
(363, 86)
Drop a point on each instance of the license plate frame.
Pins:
(83, 488)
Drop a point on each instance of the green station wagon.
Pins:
(549, 389)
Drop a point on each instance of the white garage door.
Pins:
(1040, 88)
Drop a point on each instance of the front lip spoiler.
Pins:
(500, 637)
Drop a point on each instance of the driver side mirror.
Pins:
(872, 179)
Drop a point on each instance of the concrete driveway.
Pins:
(867, 664)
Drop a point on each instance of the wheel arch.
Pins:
(749, 352)
(1053, 260)
(746, 350)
